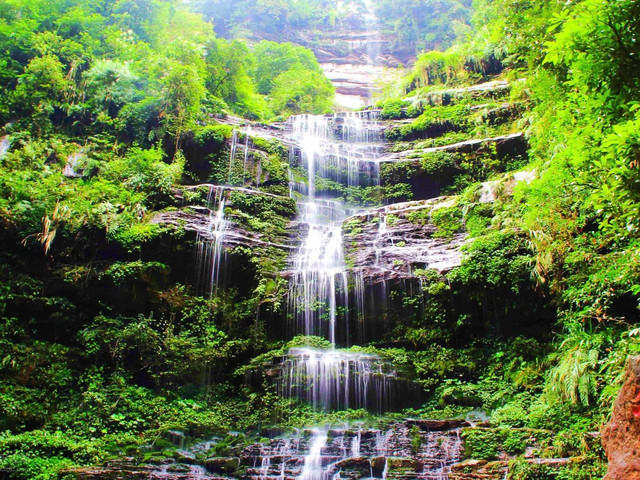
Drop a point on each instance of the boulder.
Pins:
(621, 436)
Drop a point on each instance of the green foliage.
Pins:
(435, 121)
(495, 259)
(300, 90)
(617, 199)
(275, 59)
(448, 221)
(393, 110)
(423, 24)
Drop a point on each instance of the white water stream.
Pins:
(335, 152)
(210, 253)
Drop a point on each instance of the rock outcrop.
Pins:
(391, 242)
(621, 436)
(197, 218)
(515, 142)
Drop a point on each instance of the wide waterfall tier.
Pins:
(339, 380)
(343, 148)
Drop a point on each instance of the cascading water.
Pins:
(331, 454)
(319, 285)
(210, 245)
(210, 253)
(340, 150)
(335, 154)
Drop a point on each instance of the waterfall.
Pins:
(334, 379)
(312, 469)
(319, 282)
(340, 150)
(334, 453)
(335, 153)
(380, 237)
(210, 244)
(239, 162)
(355, 446)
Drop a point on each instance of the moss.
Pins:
(416, 439)
(121, 272)
(134, 237)
(448, 221)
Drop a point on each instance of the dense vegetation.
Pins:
(574, 229)
(106, 343)
(105, 107)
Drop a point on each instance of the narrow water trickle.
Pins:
(232, 155)
(247, 135)
(210, 244)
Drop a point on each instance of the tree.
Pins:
(182, 93)
(299, 90)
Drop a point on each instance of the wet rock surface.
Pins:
(391, 242)
(401, 451)
(621, 436)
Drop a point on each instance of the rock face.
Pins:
(389, 243)
(621, 436)
(196, 218)
(510, 144)
(420, 450)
